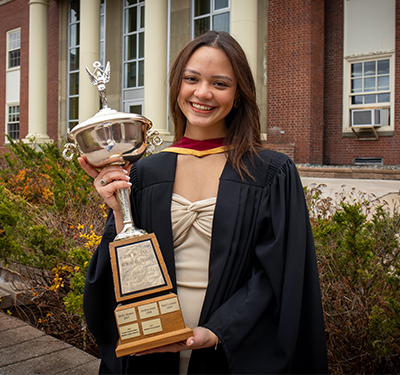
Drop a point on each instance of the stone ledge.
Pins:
(367, 173)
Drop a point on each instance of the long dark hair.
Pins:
(243, 121)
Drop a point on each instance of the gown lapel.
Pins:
(225, 214)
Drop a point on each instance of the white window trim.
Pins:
(6, 120)
(131, 94)
(8, 69)
(139, 5)
(128, 103)
(347, 61)
(105, 32)
(210, 15)
(69, 72)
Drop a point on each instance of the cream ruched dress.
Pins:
(191, 228)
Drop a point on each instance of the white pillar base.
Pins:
(37, 138)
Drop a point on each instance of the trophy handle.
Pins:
(69, 151)
(129, 230)
(154, 138)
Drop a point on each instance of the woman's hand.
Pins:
(203, 338)
(107, 181)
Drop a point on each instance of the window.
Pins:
(13, 121)
(14, 47)
(135, 106)
(370, 82)
(73, 64)
(370, 91)
(73, 57)
(210, 15)
(133, 44)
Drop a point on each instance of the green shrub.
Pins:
(51, 220)
(358, 249)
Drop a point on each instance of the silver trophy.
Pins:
(148, 314)
(112, 137)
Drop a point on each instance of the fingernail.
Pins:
(125, 171)
(191, 342)
(129, 183)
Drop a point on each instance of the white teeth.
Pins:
(202, 107)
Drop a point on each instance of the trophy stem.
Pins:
(129, 230)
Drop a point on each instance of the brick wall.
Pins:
(52, 71)
(341, 150)
(333, 105)
(295, 77)
(13, 15)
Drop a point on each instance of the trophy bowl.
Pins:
(110, 137)
(117, 138)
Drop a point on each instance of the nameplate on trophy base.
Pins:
(139, 272)
(149, 324)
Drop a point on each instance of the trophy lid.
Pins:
(107, 116)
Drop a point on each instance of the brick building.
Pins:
(326, 71)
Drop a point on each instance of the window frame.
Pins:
(130, 103)
(7, 123)
(72, 122)
(212, 13)
(103, 5)
(138, 60)
(347, 94)
(9, 32)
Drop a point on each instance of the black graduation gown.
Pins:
(263, 298)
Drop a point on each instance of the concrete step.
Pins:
(12, 294)
(5, 299)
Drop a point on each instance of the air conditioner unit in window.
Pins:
(360, 117)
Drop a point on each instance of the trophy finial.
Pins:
(99, 78)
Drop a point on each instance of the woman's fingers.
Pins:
(91, 171)
(111, 174)
(202, 338)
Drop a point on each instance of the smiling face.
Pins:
(207, 93)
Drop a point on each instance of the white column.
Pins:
(155, 64)
(37, 118)
(89, 52)
(244, 29)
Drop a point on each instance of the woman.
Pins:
(244, 267)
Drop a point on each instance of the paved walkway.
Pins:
(27, 350)
(387, 190)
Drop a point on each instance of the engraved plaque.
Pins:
(129, 331)
(138, 267)
(126, 316)
(169, 305)
(149, 310)
(151, 326)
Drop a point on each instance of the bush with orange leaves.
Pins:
(51, 220)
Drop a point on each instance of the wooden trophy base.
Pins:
(149, 324)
